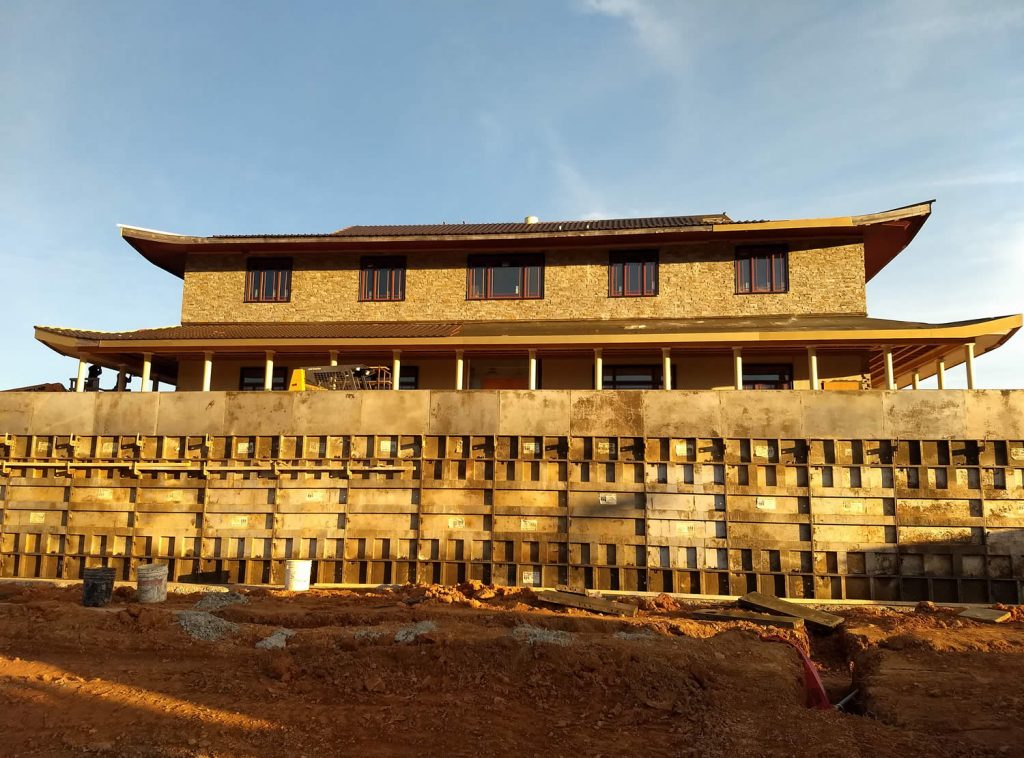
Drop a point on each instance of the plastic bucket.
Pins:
(296, 575)
(98, 586)
(152, 582)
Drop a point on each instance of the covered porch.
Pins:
(811, 353)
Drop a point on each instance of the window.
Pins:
(268, 280)
(765, 376)
(382, 279)
(762, 268)
(633, 273)
(634, 377)
(409, 379)
(250, 379)
(505, 277)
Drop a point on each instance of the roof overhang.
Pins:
(884, 235)
(916, 347)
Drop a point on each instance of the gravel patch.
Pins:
(276, 641)
(214, 601)
(205, 626)
(408, 634)
(368, 634)
(636, 636)
(535, 635)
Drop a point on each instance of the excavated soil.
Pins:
(477, 671)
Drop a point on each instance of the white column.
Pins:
(666, 368)
(812, 367)
(207, 371)
(940, 373)
(969, 347)
(737, 368)
(533, 369)
(80, 383)
(915, 380)
(396, 368)
(147, 369)
(122, 379)
(890, 380)
(598, 369)
(460, 370)
(268, 371)
(334, 357)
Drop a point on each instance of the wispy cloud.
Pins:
(657, 26)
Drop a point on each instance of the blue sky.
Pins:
(246, 117)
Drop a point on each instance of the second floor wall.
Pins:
(697, 280)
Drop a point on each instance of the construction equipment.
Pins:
(347, 377)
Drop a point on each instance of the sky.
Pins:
(220, 117)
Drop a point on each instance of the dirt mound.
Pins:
(481, 671)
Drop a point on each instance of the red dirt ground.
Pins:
(127, 680)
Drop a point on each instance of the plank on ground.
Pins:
(763, 619)
(583, 602)
(988, 615)
(760, 602)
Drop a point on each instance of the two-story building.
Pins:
(684, 302)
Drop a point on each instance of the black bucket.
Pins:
(98, 587)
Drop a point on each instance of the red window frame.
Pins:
(480, 276)
(268, 280)
(762, 269)
(633, 273)
(377, 270)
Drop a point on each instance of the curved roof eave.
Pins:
(886, 234)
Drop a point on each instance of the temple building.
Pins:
(683, 302)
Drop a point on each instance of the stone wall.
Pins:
(696, 280)
(863, 495)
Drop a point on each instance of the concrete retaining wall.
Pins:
(874, 495)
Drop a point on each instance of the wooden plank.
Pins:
(758, 601)
(583, 602)
(988, 615)
(763, 619)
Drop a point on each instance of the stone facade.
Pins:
(696, 281)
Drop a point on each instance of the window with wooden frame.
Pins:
(762, 269)
(251, 378)
(651, 377)
(505, 277)
(268, 280)
(633, 273)
(382, 279)
(767, 376)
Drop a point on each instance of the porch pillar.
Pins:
(890, 380)
(334, 357)
(598, 369)
(915, 380)
(80, 382)
(207, 370)
(533, 369)
(460, 370)
(969, 347)
(147, 369)
(268, 371)
(812, 367)
(940, 373)
(666, 368)
(122, 378)
(737, 368)
(396, 368)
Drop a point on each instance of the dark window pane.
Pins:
(651, 278)
(780, 273)
(381, 283)
(743, 275)
(767, 377)
(506, 280)
(533, 281)
(762, 281)
(477, 276)
(399, 293)
(633, 278)
(615, 287)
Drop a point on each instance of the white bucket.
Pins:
(152, 582)
(296, 575)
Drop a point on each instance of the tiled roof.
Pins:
(316, 330)
(540, 227)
